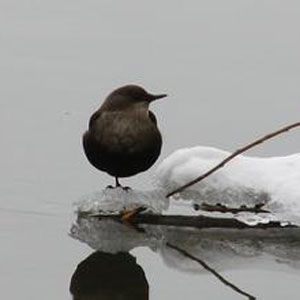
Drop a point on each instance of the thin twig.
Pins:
(211, 270)
(233, 155)
(234, 210)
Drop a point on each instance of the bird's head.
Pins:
(130, 96)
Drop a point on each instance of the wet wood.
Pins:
(139, 218)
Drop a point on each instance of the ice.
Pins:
(108, 235)
(243, 181)
(112, 237)
(221, 248)
(225, 249)
(117, 199)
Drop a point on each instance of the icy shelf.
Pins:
(221, 247)
(243, 181)
(117, 199)
(109, 236)
(233, 249)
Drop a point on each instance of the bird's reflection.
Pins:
(105, 276)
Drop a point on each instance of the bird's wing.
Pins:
(152, 117)
(94, 117)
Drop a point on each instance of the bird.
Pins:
(123, 138)
(109, 276)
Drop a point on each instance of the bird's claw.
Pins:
(126, 188)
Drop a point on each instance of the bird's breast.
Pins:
(128, 133)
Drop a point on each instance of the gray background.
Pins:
(231, 69)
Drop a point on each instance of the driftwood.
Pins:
(184, 221)
(258, 208)
(137, 217)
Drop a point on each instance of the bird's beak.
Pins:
(155, 97)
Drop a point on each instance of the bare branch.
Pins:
(258, 208)
(211, 270)
(233, 155)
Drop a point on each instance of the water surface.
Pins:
(231, 70)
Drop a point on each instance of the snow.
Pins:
(117, 199)
(273, 181)
(243, 181)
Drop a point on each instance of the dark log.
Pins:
(258, 208)
(138, 218)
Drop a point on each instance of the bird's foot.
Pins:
(110, 187)
(126, 188)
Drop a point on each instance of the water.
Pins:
(231, 71)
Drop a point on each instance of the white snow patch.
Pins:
(244, 180)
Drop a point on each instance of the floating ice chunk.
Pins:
(109, 236)
(112, 237)
(252, 219)
(273, 181)
(225, 249)
(222, 248)
(244, 180)
(182, 208)
(117, 200)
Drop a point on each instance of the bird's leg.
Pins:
(125, 188)
(117, 182)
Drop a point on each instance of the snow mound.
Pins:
(243, 181)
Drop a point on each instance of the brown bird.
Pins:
(109, 276)
(123, 138)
